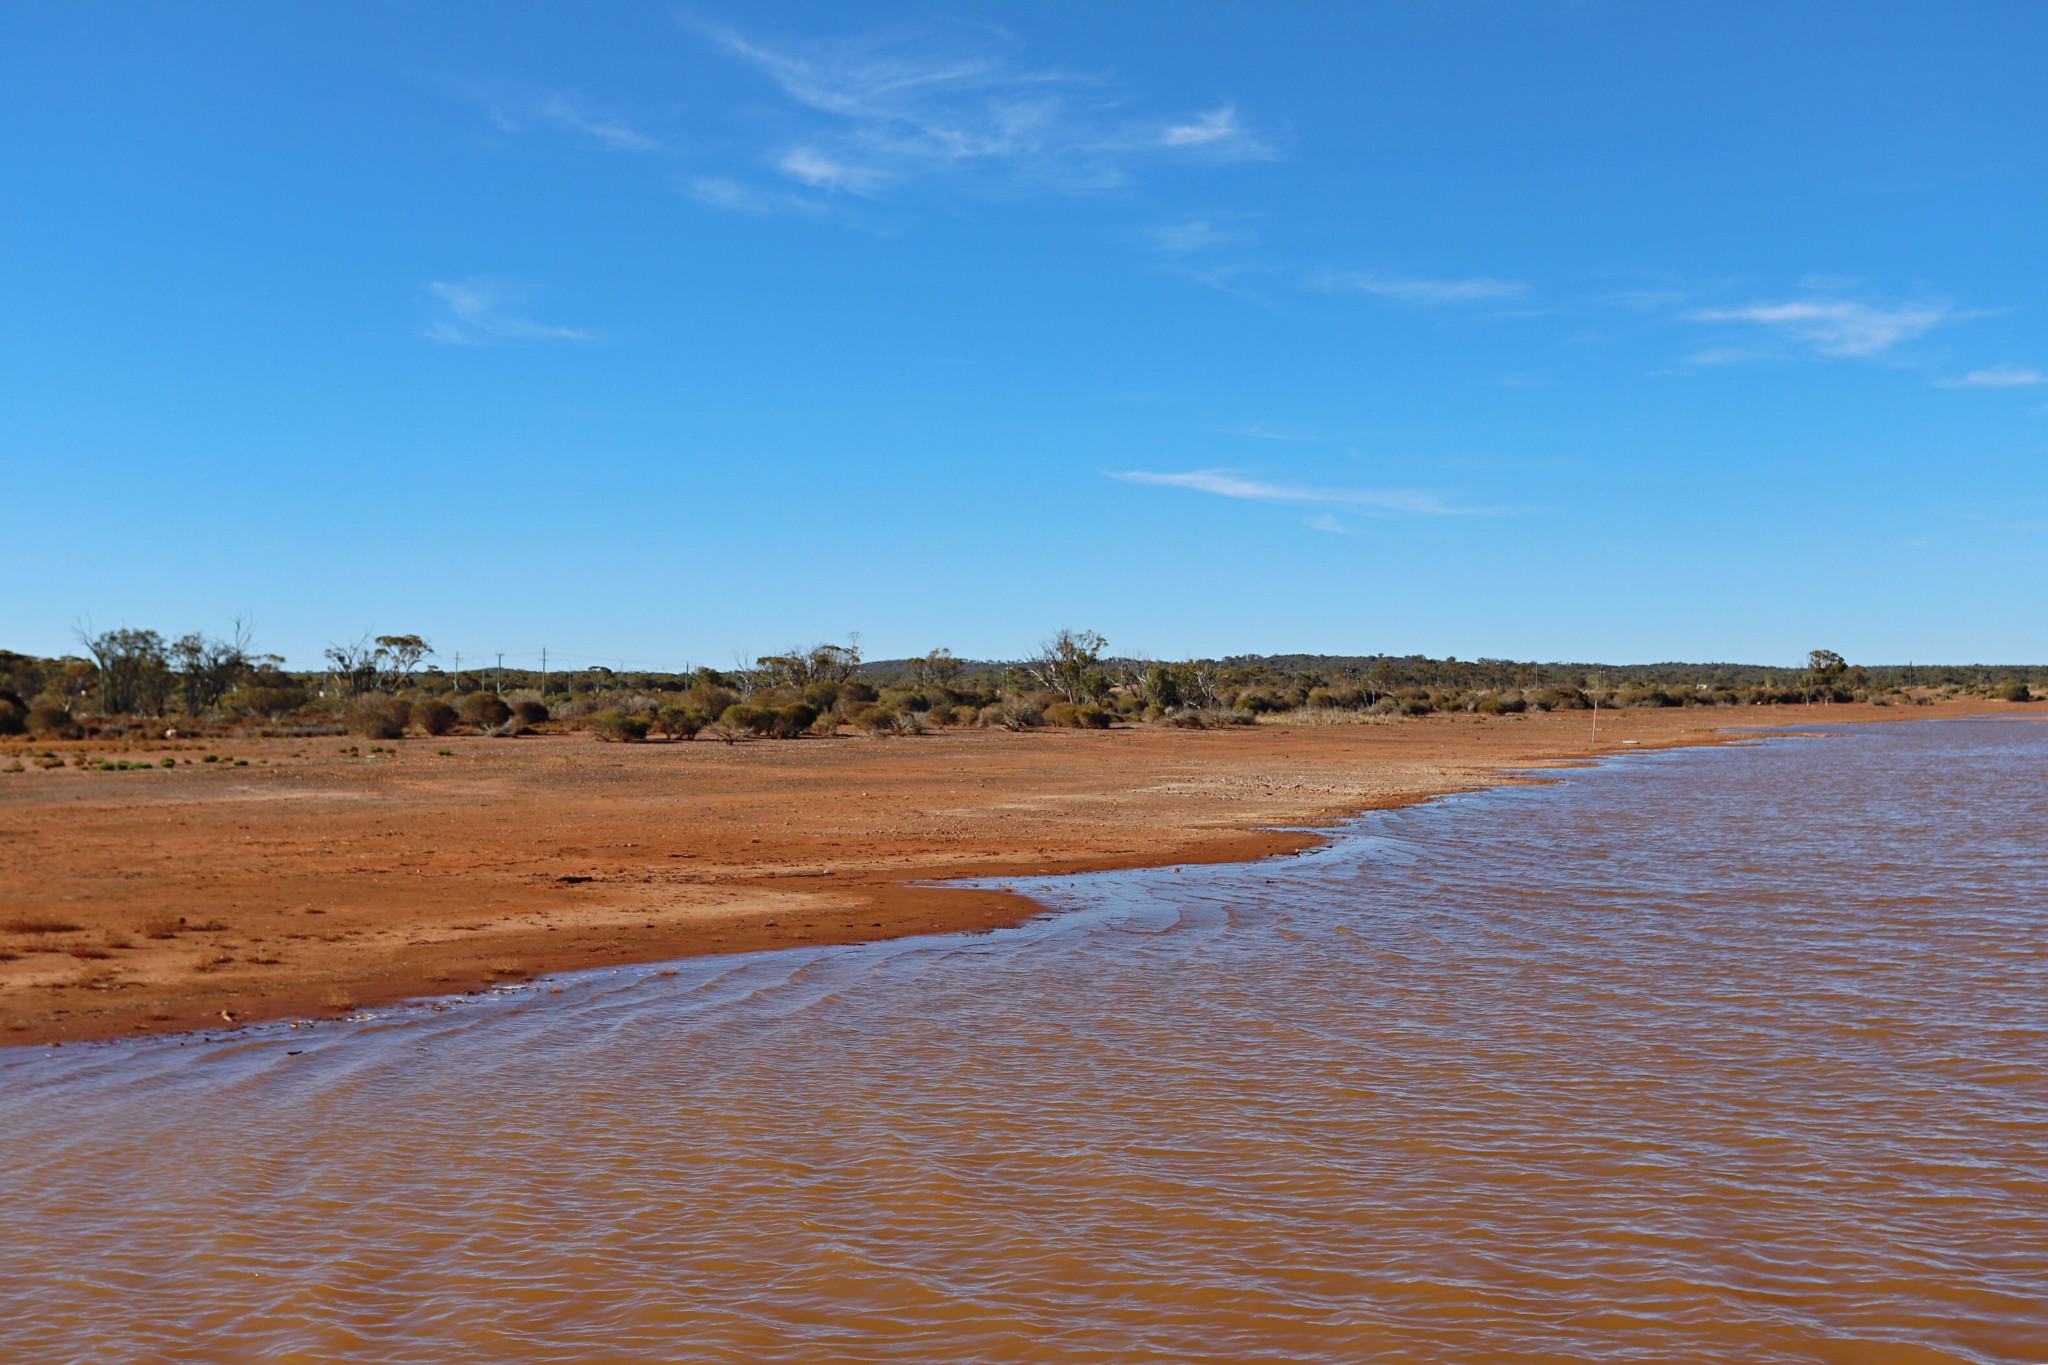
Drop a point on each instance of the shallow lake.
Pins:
(1733, 1054)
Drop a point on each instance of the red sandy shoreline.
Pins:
(310, 881)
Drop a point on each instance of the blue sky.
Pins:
(662, 334)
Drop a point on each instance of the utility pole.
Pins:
(501, 672)
(544, 672)
(458, 672)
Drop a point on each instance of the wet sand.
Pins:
(312, 881)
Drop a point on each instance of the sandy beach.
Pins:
(317, 876)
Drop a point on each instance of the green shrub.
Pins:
(530, 712)
(709, 698)
(382, 718)
(2012, 689)
(792, 720)
(434, 716)
(13, 719)
(1336, 698)
(485, 710)
(679, 722)
(1012, 713)
(48, 720)
(274, 703)
(747, 718)
(617, 726)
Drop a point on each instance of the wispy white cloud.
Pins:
(1219, 132)
(820, 171)
(1195, 236)
(890, 113)
(561, 111)
(1224, 484)
(1995, 377)
(1428, 293)
(612, 132)
(473, 314)
(1837, 327)
(723, 192)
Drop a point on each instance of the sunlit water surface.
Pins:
(1731, 1054)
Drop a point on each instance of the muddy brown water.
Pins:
(1734, 1054)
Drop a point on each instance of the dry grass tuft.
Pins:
(88, 952)
(161, 926)
(509, 969)
(340, 999)
(211, 961)
(38, 924)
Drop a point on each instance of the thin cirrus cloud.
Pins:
(1996, 377)
(1195, 236)
(723, 192)
(1224, 484)
(887, 114)
(561, 112)
(1421, 291)
(1832, 327)
(473, 313)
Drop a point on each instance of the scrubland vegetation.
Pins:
(140, 683)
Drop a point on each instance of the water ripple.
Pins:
(1734, 1055)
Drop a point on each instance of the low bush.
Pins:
(616, 726)
(485, 710)
(381, 718)
(2012, 689)
(748, 718)
(13, 719)
(434, 716)
(50, 721)
(531, 711)
(1336, 698)
(272, 703)
(679, 722)
(792, 720)
(1012, 713)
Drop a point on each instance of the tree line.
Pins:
(385, 686)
